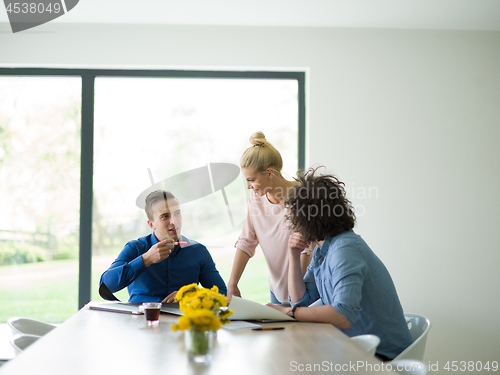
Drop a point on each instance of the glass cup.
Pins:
(199, 344)
(152, 312)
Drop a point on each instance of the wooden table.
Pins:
(97, 342)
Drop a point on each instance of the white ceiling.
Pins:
(407, 14)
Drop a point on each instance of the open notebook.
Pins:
(248, 310)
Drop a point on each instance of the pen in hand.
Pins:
(268, 328)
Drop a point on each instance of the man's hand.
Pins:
(158, 252)
(297, 243)
(170, 298)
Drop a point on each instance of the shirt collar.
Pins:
(326, 246)
(154, 240)
(182, 238)
(189, 241)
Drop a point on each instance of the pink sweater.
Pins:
(265, 224)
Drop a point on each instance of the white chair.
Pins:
(419, 327)
(368, 343)
(21, 342)
(25, 326)
(409, 367)
(318, 302)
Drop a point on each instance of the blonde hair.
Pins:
(261, 155)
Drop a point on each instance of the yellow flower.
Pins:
(204, 309)
(203, 320)
(184, 323)
(195, 303)
(221, 300)
(185, 290)
(224, 314)
(207, 304)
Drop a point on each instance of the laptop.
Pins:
(171, 308)
(132, 308)
(118, 307)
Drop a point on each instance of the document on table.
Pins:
(240, 324)
(248, 310)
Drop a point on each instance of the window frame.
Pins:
(88, 77)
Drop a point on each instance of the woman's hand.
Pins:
(318, 314)
(232, 290)
(283, 309)
(297, 244)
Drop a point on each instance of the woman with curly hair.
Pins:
(349, 283)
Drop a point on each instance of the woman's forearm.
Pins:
(296, 284)
(240, 262)
(305, 259)
(322, 314)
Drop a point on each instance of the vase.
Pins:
(199, 345)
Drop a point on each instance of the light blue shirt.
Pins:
(346, 274)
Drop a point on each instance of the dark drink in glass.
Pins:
(152, 312)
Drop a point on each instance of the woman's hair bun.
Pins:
(257, 138)
(261, 155)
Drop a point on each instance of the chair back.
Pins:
(106, 294)
(21, 342)
(419, 327)
(25, 326)
(368, 343)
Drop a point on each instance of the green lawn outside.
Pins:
(46, 291)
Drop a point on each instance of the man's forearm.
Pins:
(122, 273)
(116, 278)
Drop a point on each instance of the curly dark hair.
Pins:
(318, 206)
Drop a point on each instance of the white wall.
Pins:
(414, 115)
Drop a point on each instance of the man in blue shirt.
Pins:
(349, 283)
(152, 267)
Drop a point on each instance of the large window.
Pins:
(139, 128)
(151, 129)
(39, 196)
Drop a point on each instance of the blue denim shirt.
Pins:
(346, 274)
(191, 263)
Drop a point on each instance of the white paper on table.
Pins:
(248, 310)
(240, 324)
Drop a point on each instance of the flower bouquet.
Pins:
(205, 311)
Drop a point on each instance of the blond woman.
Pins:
(265, 224)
